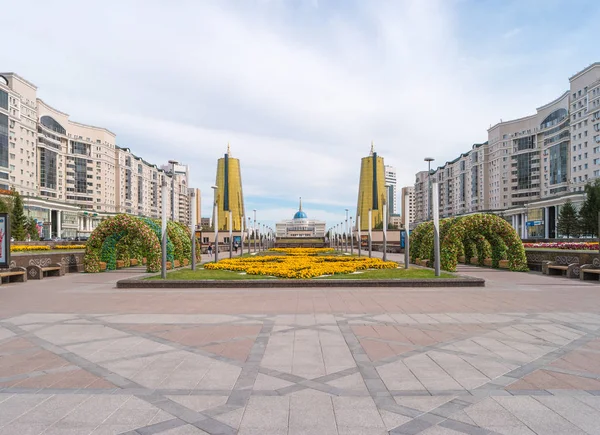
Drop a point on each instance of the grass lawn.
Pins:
(201, 274)
(412, 273)
(188, 274)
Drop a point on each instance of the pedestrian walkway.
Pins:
(520, 356)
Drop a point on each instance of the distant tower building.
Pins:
(410, 191)
(229, 194)
(371, 190)
(392, 193)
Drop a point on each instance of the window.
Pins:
(3, 100)
(51, 124)
(3, 140)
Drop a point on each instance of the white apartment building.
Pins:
(421, 197)
(391, 187)
(71, 175)
(410, 191)
(529, 166)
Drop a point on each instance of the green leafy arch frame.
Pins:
(134, 229)
(486, 235)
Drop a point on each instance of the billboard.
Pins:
(4, 240)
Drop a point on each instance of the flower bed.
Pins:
(583, 246)
(23, 248)
(303, 265)
(302, 251)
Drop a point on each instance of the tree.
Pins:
(588, 213)
(17, 224)
(568, 220)
(31, 229)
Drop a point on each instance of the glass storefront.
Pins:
(535, 223)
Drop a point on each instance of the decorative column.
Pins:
(546, 223)
(58, 224)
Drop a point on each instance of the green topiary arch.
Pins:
(126, 226)
(490, 234)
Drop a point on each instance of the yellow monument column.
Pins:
(371, 190)
(229, 192)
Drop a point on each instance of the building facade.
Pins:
(391, 189)
(410, 191)
(229, 196)
(72, 175)
(300, 226)
(371, 191)
(529, 166)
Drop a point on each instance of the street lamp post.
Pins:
(163, 270)
(436, 227)
(230, 234)
(242, 235)
(254, 230)
(248, 231)
(173, 163)
(370, 232)
(406, 230)
(193, 225)
(346, 233)
(429, 160)
(351, 238)
(384, 231)
(216, 223)
(358, 231)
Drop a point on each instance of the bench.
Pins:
(39, 272)
(555, 268)
(589, 272)
(14, 274)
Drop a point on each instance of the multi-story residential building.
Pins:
(18, 134)
(410, 191)
(392, 193)
(73, 175)
(421, 196)
(529, 166)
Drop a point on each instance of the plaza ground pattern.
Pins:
(520, 356)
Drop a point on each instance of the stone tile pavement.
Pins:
(520, 356)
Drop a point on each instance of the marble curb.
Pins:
(459, 281)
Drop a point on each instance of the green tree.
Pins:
(588, 214)
(17, 224)
(568, 220)
(31, 229)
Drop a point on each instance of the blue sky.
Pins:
(299, 87)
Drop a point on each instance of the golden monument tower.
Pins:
(229, 195)
(371, 190)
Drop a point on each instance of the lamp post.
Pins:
(384, 231)
(406, 230)
(351, 238)
(346, 233)
(163, 188)
(173, 163)
(248, 231)
(242, 235)
(370, 233)
(436, 227)
(358, 231)
(254, 230)
(216, 223)
(429, 160)
(193, 225)
(230, 224)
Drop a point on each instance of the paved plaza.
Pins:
(520, 356)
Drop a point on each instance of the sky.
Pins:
(299, 88)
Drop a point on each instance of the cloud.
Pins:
(512, 33)
(299, 89)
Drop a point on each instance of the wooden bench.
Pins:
(14, 274)
(589, 272)
(39, 272)
(554, 268)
